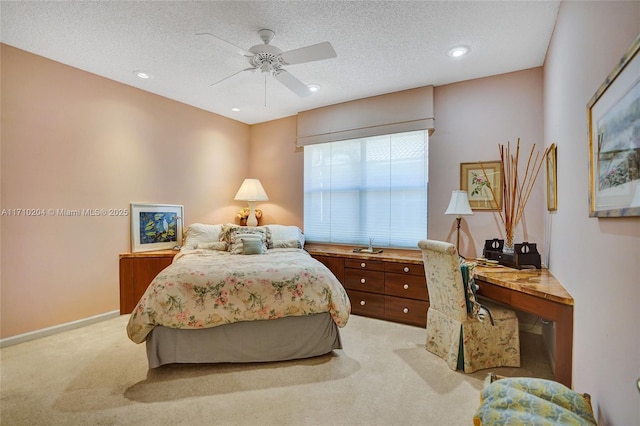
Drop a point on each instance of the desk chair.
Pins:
(466, 340)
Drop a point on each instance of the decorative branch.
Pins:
(515, 194)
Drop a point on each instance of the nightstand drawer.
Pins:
(411, 286)
(367, 304)
(406, 310)
(405, 268)
(369, 265)
(364, 280)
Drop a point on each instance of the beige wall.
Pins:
(596, 259)
(279, 164)
(472, 118)
(73, 140)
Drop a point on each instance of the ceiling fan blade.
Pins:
(235, 73)
(292, 83)
(241, 51)
(311, 53)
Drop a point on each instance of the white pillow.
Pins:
(217, 245)
(280, 233)
(199, 233)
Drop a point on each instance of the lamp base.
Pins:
(251, 219)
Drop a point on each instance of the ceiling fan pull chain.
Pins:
(265, 89)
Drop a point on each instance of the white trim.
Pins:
(32, 335)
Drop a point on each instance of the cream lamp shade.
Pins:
(459, 206)
(251, 191)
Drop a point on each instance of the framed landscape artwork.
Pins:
(483, 183)
(156, 226)
(613, 115)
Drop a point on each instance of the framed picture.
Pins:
(483, 183)
(613, 115)
(552, 188)
(156, 226)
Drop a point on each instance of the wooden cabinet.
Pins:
(390, 285)
(137, 270)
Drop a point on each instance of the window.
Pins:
(374, 187)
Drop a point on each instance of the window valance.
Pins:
(396, 112)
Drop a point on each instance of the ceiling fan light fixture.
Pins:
(458, 51)
(142, 75)
(313, 88)
(235, 109)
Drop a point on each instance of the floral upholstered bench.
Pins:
(523, 400)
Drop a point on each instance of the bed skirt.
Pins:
(250, 341)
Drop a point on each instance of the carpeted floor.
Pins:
(384, 376)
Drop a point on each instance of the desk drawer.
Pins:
(405, 268)
(367, 304)
(406, 310)
(364, 280)
(411, 286)
(369, 265)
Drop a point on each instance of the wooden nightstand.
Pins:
(137, 270)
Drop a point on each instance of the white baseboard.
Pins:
(21, 338)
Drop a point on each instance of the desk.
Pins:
(530, 290)
(538, 292)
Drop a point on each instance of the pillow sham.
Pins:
(285, 233)
(198, 233)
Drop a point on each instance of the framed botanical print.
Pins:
(156, 226)
(552, 188)
(483, 183)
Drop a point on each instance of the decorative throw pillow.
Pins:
(286, 244)
(251, 246)
(235, 239)
(218, 245)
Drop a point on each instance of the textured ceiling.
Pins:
(381, 46)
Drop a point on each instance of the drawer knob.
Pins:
(363, 265)
(406, 269)
(406, 286)
(362, 280)
(362, 303)
(405, 310)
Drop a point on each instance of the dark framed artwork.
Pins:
(613, 116)
(156, 226)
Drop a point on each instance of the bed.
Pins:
(240, 294)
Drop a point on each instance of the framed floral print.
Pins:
(483, 183)
(156, 226)
(552, 185)
(613, 115)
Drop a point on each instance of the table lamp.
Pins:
(459, 206)
(251, 191)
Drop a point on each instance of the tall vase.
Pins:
(509, 240)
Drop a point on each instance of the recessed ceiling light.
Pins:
(313, 87)
(458, 51)
(143, 75)
(236, 109)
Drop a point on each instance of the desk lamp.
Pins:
(251, 191)
(459, 206)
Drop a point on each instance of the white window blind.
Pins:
(365, 188)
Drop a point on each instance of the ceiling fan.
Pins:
(271, 60)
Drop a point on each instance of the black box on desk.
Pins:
(524, 254)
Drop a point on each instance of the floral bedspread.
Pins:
(207, 288)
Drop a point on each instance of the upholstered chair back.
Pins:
(444, 280)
